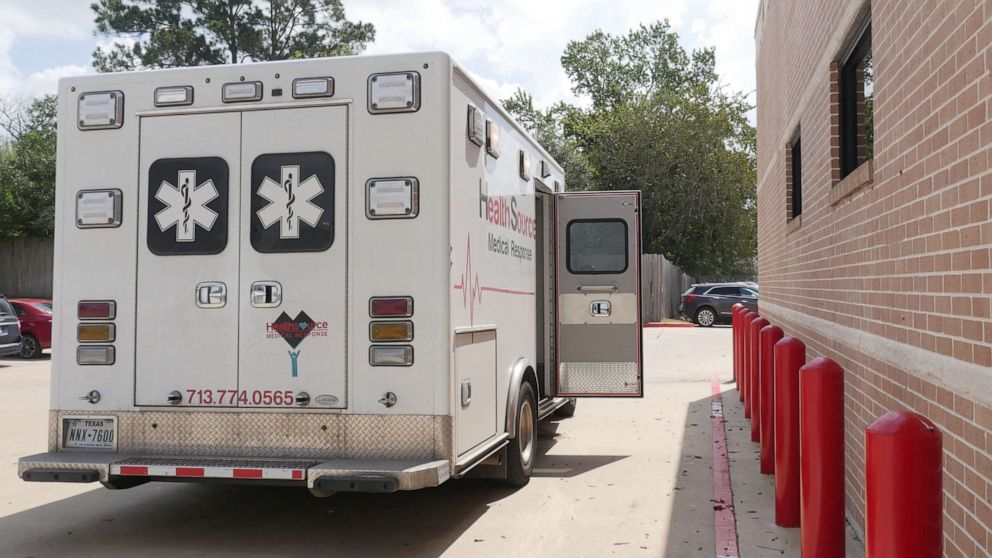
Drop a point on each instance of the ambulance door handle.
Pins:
(211, 294)
(266, 294)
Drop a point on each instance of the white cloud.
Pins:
(504, 44)
(39, 19)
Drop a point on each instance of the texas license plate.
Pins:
(89, 433)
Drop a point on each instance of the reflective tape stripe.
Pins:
(206, 472)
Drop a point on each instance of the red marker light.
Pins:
(391, 307)
(97, 309)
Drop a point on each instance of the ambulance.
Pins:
(345, 274)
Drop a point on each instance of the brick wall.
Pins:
(887, 270)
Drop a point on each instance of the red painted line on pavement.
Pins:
(723, 495)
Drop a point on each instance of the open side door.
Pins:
(598, 290)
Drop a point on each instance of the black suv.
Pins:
(10, 329)
(710, 303)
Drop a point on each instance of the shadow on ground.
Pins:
(184, 519)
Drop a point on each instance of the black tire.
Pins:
(568, 409)
(30, 347)
(522, 449)
(705, 317)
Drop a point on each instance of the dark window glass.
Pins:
(726, 291)
(44, 307)
(18, 309)
(797, 178)
(857, 106)
(597, 246)
(5, 309)
(749, 292)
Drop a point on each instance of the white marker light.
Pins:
(98, 209)
(394, 92)
(95, 355)
(476, 125)
(493, 143)
(174, 96)
(100, 110)
(391, 355)
(242, 92)
(526, 172)
(304, 88)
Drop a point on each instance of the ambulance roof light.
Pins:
(242, 92)
(177, 96)
(100, 110)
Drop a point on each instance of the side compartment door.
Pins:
(598, 256)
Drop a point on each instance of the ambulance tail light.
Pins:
(390, 331)
(391, 307)
(95, 333)
(391, 355)
(97, 309)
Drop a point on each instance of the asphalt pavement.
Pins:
(623, 477)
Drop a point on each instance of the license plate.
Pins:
(89, 433)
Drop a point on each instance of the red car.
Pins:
(35, 316)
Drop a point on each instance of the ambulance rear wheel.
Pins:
(522, 449)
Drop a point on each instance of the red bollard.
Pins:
(746, 318)
(790, 356)
(768, 336)
(821, 428)
(735, 312)
(903, 493)
(753, 381)
(745, 329)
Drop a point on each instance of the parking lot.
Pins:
(621, 478)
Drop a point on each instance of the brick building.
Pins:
(874, 230)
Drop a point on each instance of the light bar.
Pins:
(391, 331)
(305, 88)
(95, 355)
(97, 310)
(242, 92)
(98, 209)
(493, 143)
(394, 92)
(95, 333)
(100, 110)
(391, 307)
(476, 125)
(391, 355)
(392, 198)
(174, 96)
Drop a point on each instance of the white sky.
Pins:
(505, 43)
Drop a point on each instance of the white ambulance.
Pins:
(348, 274)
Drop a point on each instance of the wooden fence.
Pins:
(26, 271)
(26, 267)
(662, 285)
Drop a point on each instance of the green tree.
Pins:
(27, 168)
(170, 33)
(659, 121)
(547, 128)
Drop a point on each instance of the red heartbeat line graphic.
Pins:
(473, 294)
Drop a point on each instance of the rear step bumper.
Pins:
(336, 475)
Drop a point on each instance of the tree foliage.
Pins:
(171, 33)
(27, 168)
(659, 121)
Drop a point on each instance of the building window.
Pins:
(794, 197)
(856, 105)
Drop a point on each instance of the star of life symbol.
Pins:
(187, 206)
(289, 202)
